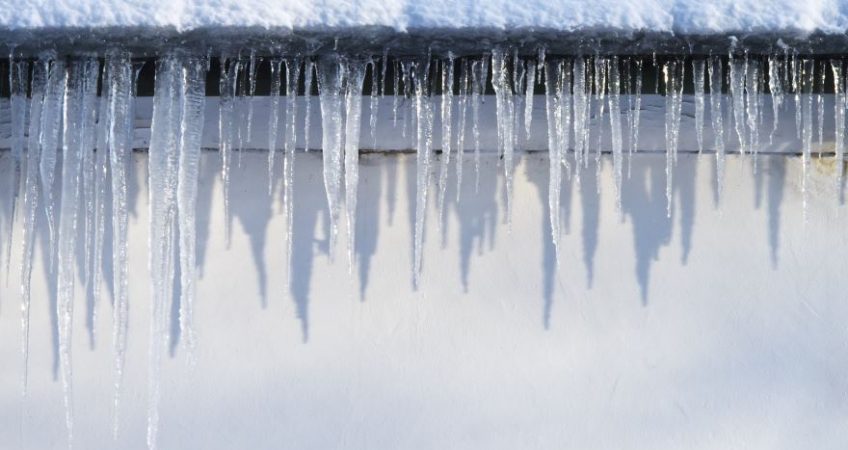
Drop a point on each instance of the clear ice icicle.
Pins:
(464, 82)
(776, 90)
(505, 107)
(716, 114)
(353, 120)
(51, 119)
(698, 80)
(78, 125)
(18, 84)
(738, 70)
(227, 86)
(273, 120)
(479, 75)
(292, 78)
(839, 119)
(447, 123)
(424, 144)
(673, 80)
(529, 92)
(330, 77)
(119, 114)
(807, 77)
(615, 126)
(308, 69)
(553, 93)
(192, 86)
(31, 197)
(163, 163)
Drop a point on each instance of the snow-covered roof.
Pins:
(677, 16)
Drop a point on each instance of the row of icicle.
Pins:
(95, 133)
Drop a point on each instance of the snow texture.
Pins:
(677, 16)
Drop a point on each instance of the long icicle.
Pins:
(447, 123)
(505, 106)
(330, 76)
(31, 197)
(49, 139)
(839, 119)
(716, 114)
(424, 144)
(292, 77)
(273, 120)
(119, 115)
(193, 84)
(353, 122)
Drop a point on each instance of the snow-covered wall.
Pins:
(721, 327)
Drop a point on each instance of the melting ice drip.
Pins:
(94, 134)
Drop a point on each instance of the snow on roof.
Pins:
(677, 16)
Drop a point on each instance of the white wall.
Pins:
(722, 327)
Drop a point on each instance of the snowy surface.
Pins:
(678, 16)
(739, 341)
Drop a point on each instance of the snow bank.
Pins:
(675, 16)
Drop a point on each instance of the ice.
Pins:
(292, 78)
(192, 86)
(738, 71)
(424, 146)
(673, 80)
(698, 80)
(464, 88)
(375, 102)
(353, 120)
(273, 119)
(615, 126)
(807, 80)
(308, 70)
(839, 119)
(119, 81)
(78, 127)
(163, 169)
(447, 125)
(637, 113)
(51, 120)
(226, 110)
(505, 107)
(330, 77)
(479, 75)
(581, 115)
(18, 86)
(251, 86)
(553, 73)
(776, 67)
(716, 113)
(529, 94)
(752, 106)
(31, 197)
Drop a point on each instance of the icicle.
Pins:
(505, 107)
(715, 75)
(738, 70)
(518, 88)
(581, 115)
(78, 125)
(31, 194)
(251, 81)
(820, 108)
(807, 76)
(330, 77)
(273, 120)
(375, 104)
(424, 141)
(163, 162)
(101, 178)
(226, 108)
(796, 88)
(18, 83)
(529, 93)
(673, 80)
(353, 119)
(839, 119)
(119, 114)
(637, 113)
(601, 65)
(464, 80)
(447, 123)
(479, 74)
(308, 69)
(776, 89)
(292, 78)
(192, 83)
(553, 112)
(752, 105)
(563, 113)
(615, 126)
(396, 91)
(51, 119)
(698, 77)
